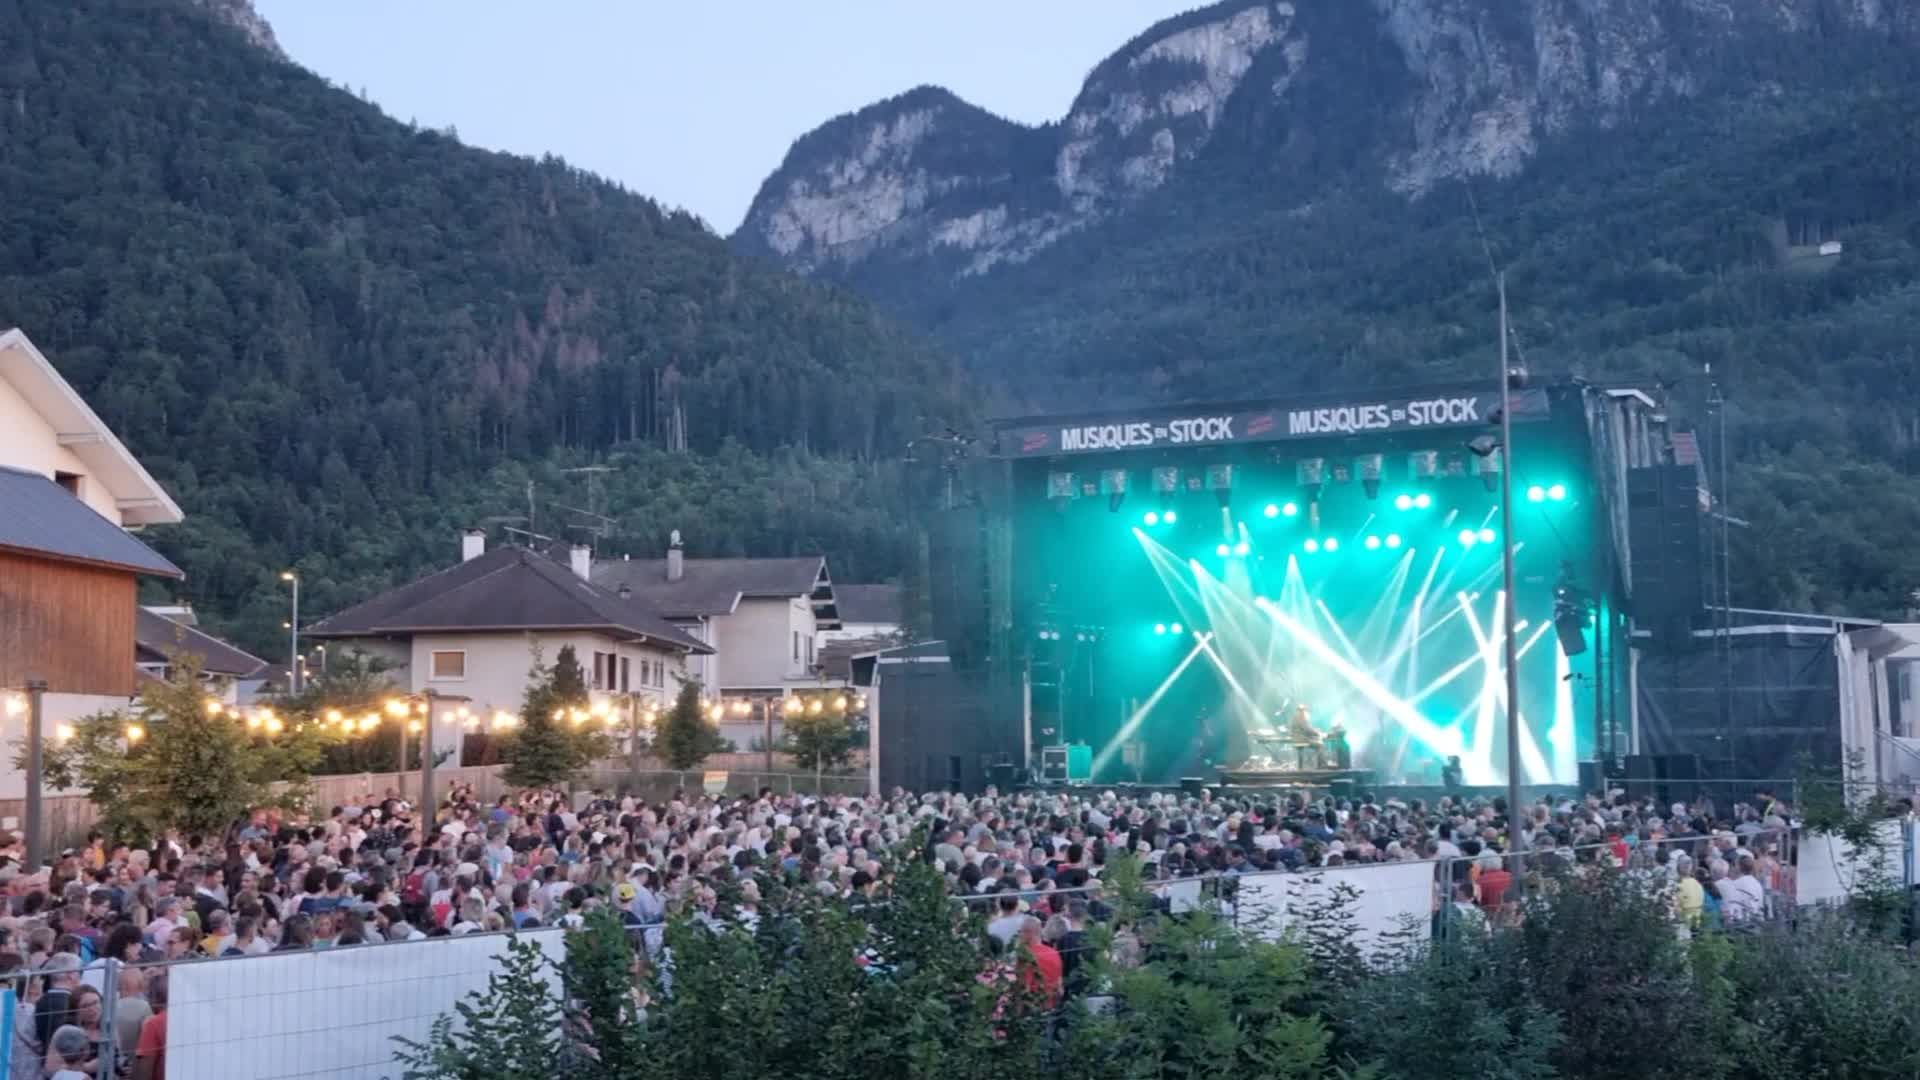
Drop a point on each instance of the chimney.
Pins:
(473, 544)
(676, 561)
(581, 559)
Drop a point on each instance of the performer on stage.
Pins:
(1305, 737)
(1337, 748)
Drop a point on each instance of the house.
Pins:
(868, 612)
(162, 634)
(468, 636)
(760, 617)
(69, 569)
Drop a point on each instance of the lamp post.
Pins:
(1516, 840)
(293, 630)
(35, 823)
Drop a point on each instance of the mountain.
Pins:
(338, 338)
(1263, 198)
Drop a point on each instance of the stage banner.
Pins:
(1277, 422)
(327, 1013)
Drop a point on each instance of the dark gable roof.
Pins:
(714, 586)
(870, 603)
(39, 517)
(158, 638)
(506, 589)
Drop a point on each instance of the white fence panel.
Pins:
(331, 1013)
(1387, 897)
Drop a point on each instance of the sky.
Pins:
(695, 103)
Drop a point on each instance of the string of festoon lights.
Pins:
(264, 721)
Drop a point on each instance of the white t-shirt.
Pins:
(1742, 898)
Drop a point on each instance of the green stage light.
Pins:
(1536, 493)
(1289, 510)
(1393, 541)
(1468, 537)
(1273, 510)
(1330, 545)
(1486, 536)
(1373, 543)
(1243, 549)
(1422, 501)
(1175, 628)
(1403, 502)
(1169, 517)
(1313, 547)
(1557, 492)
(1160, 629)
(1223, 551)
(1151, 518)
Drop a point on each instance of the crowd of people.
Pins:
(1031, 863)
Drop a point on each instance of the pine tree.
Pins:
(685, 736)
(549, 749)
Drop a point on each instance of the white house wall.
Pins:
(756, 644)
(28, 441)
(55, 709)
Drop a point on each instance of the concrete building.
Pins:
(472, 633)
(761, 618)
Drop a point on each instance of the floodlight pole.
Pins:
(35, 822)
(1516, 840)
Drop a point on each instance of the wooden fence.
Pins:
(68, 816)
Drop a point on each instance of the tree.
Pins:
(174, 762)
(686, 738)
(819, 741)
(551, 745)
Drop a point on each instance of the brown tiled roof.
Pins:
(506, 589)
(157, 638)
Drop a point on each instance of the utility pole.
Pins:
(293, 630)
(36, 826)
(1516, 840)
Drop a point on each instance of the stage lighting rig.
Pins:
(1113, 482)
(1371, 466)
(1573, 611)
(1220, 479)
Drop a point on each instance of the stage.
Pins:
(1171, 586)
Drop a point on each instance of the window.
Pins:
(809, 652)
(70, 481)
(449, 664)
(796, 646)
(626, 674)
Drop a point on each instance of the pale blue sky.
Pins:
(695, 103)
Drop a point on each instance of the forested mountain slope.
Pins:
(339, 339)
(1656, 178)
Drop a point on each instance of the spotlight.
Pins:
(1403, 502)
(1113, 482)
(1220, 479)
(1169, 518)
(1393, 541)
(1424, 464)
(1060, 487)
(1486, 536)
(1175, 628)
(1370, 469)
(1273, 510)
(1483, 445)
(1290, 510)
(1310, 474)
(1223, 551)
(1330, 545)
(1536, 493)
(1557, 492)
(1160, 629)
(1489, 469)
(1468, 538)
(1152, 518)
(1313, 547)
(1422, 501)
(1242, 549)
(1373, 543)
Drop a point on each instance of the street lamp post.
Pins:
(426, 762)
(293, 630)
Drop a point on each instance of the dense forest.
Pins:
(1659, 253)
(338, 339)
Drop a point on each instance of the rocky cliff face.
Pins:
(1457, 87)
(240, 13)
